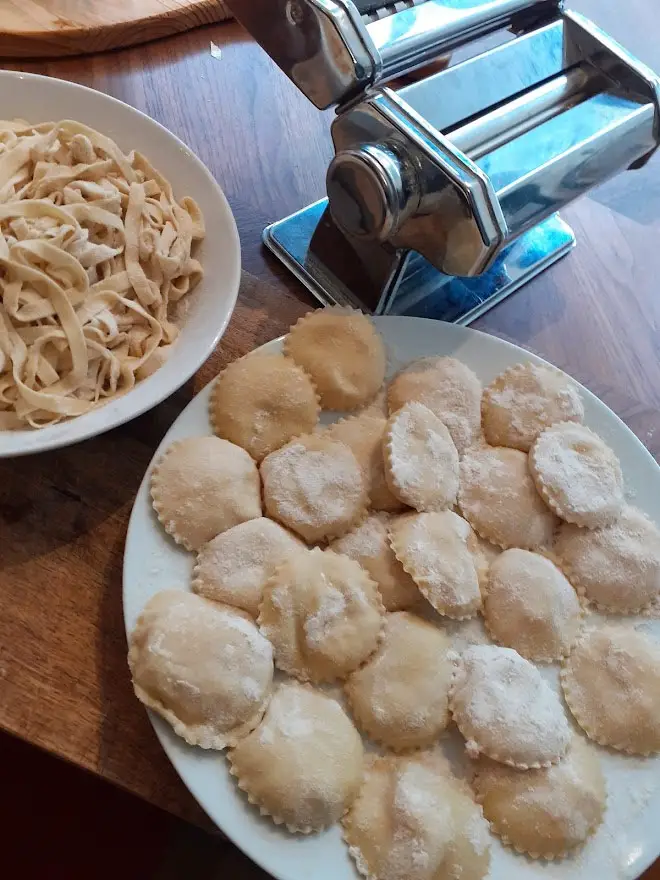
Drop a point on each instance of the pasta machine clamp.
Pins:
(442, 196)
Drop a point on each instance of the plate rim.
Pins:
(159, 394)
(161, 728)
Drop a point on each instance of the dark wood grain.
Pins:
(63, 678)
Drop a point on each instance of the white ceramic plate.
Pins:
(627, 842)
(41, 99)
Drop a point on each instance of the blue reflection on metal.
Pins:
(570, 130)
(422, 290)
(426, 293)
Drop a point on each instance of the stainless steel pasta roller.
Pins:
(442, 196)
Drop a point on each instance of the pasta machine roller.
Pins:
(443, 193)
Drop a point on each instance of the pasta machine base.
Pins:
(418, 288)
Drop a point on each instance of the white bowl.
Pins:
(41, 99)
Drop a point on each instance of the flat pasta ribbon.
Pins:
(94, 252)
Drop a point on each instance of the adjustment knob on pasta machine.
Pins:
(443, 195)
(370, 191)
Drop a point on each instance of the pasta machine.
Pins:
(443, 193)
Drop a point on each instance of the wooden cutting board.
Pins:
(52, 28)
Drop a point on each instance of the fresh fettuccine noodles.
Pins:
(94, 253)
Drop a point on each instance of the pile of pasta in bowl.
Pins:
(316, 645)
(95, 254)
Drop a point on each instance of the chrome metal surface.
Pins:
(329, 52)
(505, 123)
(539, 172)
(461, 173)
(547, 136)
(451, 213)
(374, 11)
(628, 72)
(424, 292)
(330, 264)
(412, 286)
(322, 45)
(415, 36)
(371, 191)
(450, 98)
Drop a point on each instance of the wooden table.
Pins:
(64, 683)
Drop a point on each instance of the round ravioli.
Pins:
(436, 549)
(498, 498)
(315, 486)
(261, 401)
(202, 486)
(234, 566)
(484, 553)
(448, 388)
(531, 606)
(577, 474)
(369, 544)
(413, 821)
(205, 668)
(524, 400)
(611, 683)
(506, 710)
(616, 567)
(343, 353)
(303, 765)
(363, 434)
(399, 697)
(545, 813)
(421, 461)
(323, 614)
